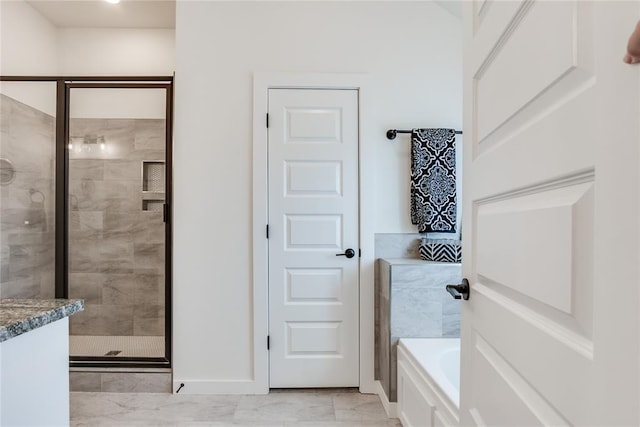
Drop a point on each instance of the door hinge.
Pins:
(359, 253)
(267, 120)
(267, 231)
(165, 212)
(268, 342)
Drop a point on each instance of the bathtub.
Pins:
(428, 381)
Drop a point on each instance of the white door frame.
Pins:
(262, 82)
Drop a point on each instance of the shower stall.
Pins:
(85, 196)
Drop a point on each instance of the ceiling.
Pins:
(134, 13)
(100, 14)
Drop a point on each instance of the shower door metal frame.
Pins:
(63, 86)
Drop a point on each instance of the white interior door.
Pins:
(313, 216)
(550, 332)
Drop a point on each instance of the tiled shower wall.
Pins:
(27, 222)
(116, 249)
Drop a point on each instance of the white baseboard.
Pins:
(246, 387)
(391, 408)
(219, 387)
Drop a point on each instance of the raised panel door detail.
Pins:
(527, 243)
(313, 178)
(313, 338)
(314, 125)
(521, 404)
(550, 55)
(314, 285)
(313, 232)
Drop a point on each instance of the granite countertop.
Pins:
(18, 316)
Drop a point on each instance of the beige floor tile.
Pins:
(358, 407)
(233, 424)
(318, 408)
(161, 409)
(85, 381)
(286, 407)
(388, 423)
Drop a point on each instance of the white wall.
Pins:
(28, 46)
(118, 103)
(116, 51)
(412, 51)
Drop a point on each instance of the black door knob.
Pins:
(459, 291)
(349, 253)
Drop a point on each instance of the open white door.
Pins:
(313, 216)
(550, 332)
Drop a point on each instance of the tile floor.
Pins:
(318, 408)
(127, 346)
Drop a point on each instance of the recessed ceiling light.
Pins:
(113, 1)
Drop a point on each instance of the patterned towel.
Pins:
(433, 180)
(441, 250)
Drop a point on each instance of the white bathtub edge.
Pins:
(433, 378)
(390, 408)
(422, 377)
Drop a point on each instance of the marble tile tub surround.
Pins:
(411, 302)
(398, 245)
(116, 249)
(326, 408)
(19, 316)
(420, 305)
(27, 220)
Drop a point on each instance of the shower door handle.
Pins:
(459, 291)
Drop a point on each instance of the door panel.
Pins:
(313, 232)
(550, 202)
(313, 125)
(313, 338)
(548, 56)
(313, 215)
(562, 218)
(314, 285)
(313, 178)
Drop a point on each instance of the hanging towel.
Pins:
(433, 180)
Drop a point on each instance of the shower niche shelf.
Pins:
(153, 179)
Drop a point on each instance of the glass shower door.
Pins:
(116, 221)
(27, 189)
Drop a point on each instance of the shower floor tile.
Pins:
(116, 346)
